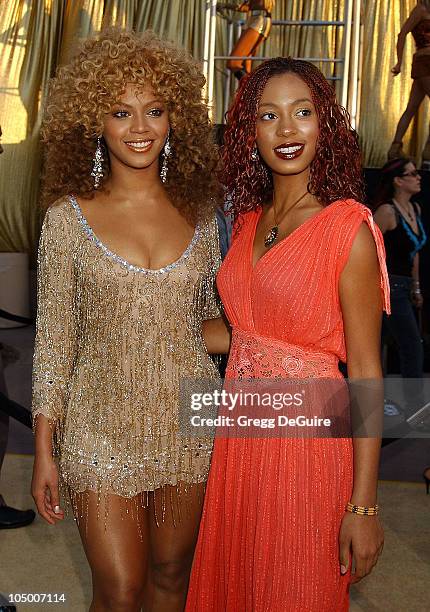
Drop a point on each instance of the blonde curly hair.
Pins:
(85, 90)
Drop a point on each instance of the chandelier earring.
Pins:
(167, 151)
(97, 171)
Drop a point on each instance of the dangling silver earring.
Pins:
(254, 154)
(167, 151)
(97, 171)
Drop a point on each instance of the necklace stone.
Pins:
(406, 212)
(270, 238)
(273, 233)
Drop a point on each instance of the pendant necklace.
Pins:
(273, 233)
(406, 212)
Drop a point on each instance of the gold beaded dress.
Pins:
(113, 342)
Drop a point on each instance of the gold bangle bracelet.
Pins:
(362, 510)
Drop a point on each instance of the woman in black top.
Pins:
(399, 219)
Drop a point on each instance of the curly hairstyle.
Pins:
(385, 189)
(86, 89)
(336, 170)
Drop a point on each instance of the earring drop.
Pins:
(166, 154)
(97, 171)
(254, 154)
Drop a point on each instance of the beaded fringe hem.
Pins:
(172, 499)
(166, 495)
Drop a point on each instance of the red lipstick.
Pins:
(289, 150)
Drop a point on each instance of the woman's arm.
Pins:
(215, 327)
(385, 217)
(45, 481)
(413, 19)
(54, 356)
(417, 297)
(416, 269)
(360, 297)
(217, 336)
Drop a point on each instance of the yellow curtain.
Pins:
(384, 97)
(37, 35)
(297, 41)
(181, 21)
(29, 41)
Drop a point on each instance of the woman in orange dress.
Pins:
(303, 286)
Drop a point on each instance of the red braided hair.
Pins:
(335, 172)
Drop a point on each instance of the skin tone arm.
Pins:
(217, 336)
(417, 298)
(413, 19)
(416, 268)
(385, 217)
(44, 486)
(360, 297)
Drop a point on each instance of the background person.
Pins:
(255, 32)
(418, 24)
(399, 218)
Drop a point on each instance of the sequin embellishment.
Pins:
(123, 262)
(111, 348)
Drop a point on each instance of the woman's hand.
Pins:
(417, 299)
(362, 536)
(45, 490)
(396, 69)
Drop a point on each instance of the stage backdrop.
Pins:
(38, 35)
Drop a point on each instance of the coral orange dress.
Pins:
(268, 538)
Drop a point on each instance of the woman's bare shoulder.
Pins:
(420, 10)
(385, 209)
(385, 217)
(418, 13)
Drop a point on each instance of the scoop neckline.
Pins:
(120, 260)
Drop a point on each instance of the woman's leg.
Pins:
(172, 543)
(415, 98)
(425, 84)
(247, 43)
(116, 549)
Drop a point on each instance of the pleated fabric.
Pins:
(268, 538)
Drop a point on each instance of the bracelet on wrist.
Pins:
(362, 510)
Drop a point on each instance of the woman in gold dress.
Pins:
(127, 259)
